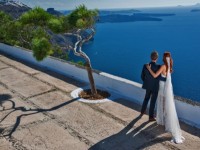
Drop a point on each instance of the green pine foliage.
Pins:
(80, 63)
(41, 48)
(36, 17)
(56, 25)
(34, 29)
(7, 29)
(36, 22)
(82, 18)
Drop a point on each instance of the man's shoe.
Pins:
(152, 119)
(142, 113)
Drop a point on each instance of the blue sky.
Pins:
(71, 4)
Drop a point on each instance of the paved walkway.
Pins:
(37, 113)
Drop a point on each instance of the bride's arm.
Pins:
(155, 75)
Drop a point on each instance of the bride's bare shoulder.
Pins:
(163, 67)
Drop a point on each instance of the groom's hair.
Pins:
(154, 55)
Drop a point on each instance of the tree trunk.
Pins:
(91, 78)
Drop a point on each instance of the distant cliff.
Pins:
(13, 8)
(54, 12)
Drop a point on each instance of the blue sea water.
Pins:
(122, 48)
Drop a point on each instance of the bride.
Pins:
(166, 111)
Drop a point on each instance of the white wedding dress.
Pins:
(166, 110)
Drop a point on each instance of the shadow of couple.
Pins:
(132, 137)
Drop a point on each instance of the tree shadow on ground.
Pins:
(131, 137)
(27, 112)
(5, 97)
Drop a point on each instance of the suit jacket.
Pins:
(149, 82)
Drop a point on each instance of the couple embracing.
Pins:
(157, 82)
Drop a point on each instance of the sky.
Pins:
(105, 4)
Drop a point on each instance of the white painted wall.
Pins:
(126, 88)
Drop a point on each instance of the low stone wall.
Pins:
(188, 111)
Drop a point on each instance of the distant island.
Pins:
(195, 10)
(107, 12)
(114, 18)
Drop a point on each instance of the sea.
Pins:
(122, 48)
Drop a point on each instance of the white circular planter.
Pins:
(75, 94)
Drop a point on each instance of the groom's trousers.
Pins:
(153, 95)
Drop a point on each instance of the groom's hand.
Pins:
(148, 66)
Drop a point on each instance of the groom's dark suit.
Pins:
(151, 85)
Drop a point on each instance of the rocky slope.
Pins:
(14, 8)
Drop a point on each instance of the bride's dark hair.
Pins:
(165, 55)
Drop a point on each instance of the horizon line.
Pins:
(179, 6)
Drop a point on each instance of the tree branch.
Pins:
(90, 36)
(24, 40)
(83, 54)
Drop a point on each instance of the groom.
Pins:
(151, 85)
